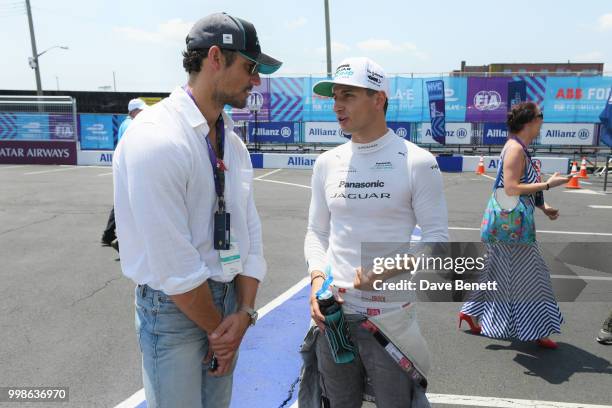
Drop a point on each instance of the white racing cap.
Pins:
(361, 72)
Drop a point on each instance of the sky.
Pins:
(141, 41)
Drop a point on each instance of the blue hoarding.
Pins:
(494, 134)
(96, 132)
(575, 99)
(31, 126)
(402, 129)
(273, 132)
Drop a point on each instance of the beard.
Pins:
(233, 100)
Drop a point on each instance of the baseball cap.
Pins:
(361, 72)
(136, 103)
(230, 33)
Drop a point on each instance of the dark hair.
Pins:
(520, 115)
(371, 92)
(192, 59)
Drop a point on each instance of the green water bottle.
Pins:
(336, 328)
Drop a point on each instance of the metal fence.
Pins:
(38, 118)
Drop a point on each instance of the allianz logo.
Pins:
(460, 133)
(497, 133)
(582, 134)
(259, 131)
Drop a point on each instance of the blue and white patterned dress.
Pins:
(524, 305)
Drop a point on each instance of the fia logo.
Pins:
(487, 100)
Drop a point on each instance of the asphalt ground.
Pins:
(67, 317)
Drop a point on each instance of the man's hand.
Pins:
(364, 279)
(226, 338)
(315, 312)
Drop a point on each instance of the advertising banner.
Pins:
(316, 108)
(287, 99)
(61, 127)
(32, 126)
(402, 129)
(606, 122)
(96, 132)
(406, 102)
(259, 98)
(567, 134)
(456, 133)
(517, 93)
(455, 94)
(535, 86)
(8, 126)
(288, 161)
(94, 158)
(435, 91)
(495, 134)
(487, 99)
(576, 99)
(324, 132)
(548, 165)
(273, 132)
(38, 152)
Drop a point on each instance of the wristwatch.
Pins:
(251, 312)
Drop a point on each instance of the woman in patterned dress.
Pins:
(524, 306)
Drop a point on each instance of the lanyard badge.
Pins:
(221, 226)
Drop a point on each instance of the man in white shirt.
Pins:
(374, 188)
(109, 236)
(179, 173)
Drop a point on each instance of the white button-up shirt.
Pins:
(165, 199)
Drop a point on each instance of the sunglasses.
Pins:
(252, 68)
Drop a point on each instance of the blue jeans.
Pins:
(173, 348)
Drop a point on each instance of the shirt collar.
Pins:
(185, 106)
(375, 145)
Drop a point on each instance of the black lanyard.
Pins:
(218, 167)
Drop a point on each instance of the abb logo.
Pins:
(569, 93)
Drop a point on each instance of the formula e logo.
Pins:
(462, 133)
(401, 132)
(255, 101)
(583, 134)
(487, 100)
(285, 132)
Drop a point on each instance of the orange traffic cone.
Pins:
(574, 168)
(583, 171)
(573, 183)
(480, 168)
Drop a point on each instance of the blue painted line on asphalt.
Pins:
(269, 359)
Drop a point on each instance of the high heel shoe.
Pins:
(547, 343)
(474, 328)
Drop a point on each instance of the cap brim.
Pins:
(265, 64)
(324, 88)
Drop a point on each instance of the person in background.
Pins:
(524, 307)
(109, 236)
